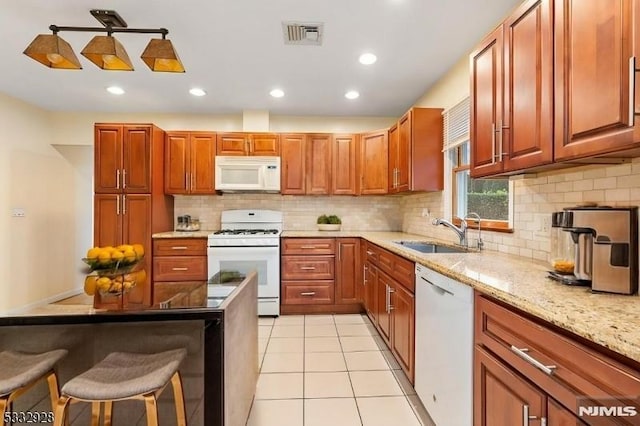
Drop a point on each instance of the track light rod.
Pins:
(110, 30)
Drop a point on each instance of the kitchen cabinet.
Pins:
(595, 94)
(374, 165)
(179, 260)
(402, 304)
(415, 152)
(293, 161)
(523, 363)
(318, 168)
(384, 287)
(344, 162)
(319, 275)
(370, 284)
(512, 93)
(259, 144)
(189, 160)
(129, 201)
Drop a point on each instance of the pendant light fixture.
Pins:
(105, 51)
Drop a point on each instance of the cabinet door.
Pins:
(593, 106)
(232, 144)
(292, 158)
(136, 160)
(318, 164)
(402, 328)
(108, 159)
(384, 287)
(347, 270)
(370, 291)
(501, 396)
(176, 162)
(202, 154)
(266, 144)
(344, 165)
(486, 105)
(374, 158)
(136, 229)
(394, 140)
(527, 128)
(107, 229)
(560, 416)
(405, 138)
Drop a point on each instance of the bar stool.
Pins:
(121, 376)
(19, 371)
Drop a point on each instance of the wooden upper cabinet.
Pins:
(512, 93)
(374, 163)
(594, 88)
(122, 159)
(394, 141)
(293, 163)
(189, 158)
(263, 144)
(318, 168)
(344, 165)
(403, 153)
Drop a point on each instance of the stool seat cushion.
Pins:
(18, 369)
(121, 375)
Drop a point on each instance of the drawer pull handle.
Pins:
(179, 269)
(526, 418)
(369, 252)
(179, 248)
(308, 268)
(522, 353)
(308, 293)
(307, 247)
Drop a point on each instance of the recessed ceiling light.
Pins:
(277, 93)
(197, 91)
(115, 90)
(351, 94)
(368, 59)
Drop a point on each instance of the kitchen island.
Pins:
(220, 335)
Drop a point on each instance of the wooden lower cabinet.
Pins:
(178, 260)
(384, 286)
(557, 415)
(369, 284)
(402, 328)
(319, 275)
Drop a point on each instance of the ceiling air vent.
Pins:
(303, 34)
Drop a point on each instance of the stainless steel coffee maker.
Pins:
(605, 241)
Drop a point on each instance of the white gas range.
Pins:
(249, 240)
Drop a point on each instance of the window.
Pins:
(491, 199)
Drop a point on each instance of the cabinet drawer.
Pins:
(304, 293)
(397, 267)
(371, 253)
(308, 267)
(179, 268)
(308, 246)
(563, 367)
(180, 247)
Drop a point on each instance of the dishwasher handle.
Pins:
(437, 288)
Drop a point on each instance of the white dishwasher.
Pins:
(444, 347)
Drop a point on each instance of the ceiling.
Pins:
(234, 50)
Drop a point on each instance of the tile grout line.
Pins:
(355, 400)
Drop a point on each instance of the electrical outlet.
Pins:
(425, 212)
(17, 212)
(545, 224)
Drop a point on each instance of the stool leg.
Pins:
(54, 393)
(61, 411)
(178, 396)
(3, 408)
(152, 410)
(95, 413)
(108, 413)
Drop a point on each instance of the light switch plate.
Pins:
(17, 212)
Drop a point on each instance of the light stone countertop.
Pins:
(612, 321)
(182, 234)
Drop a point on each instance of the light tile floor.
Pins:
(319, 370)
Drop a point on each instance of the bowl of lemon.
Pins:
(113, 269)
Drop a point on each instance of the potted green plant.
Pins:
(329, 223)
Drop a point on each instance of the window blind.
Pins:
(456, 124)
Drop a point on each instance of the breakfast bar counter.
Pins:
(220, 335)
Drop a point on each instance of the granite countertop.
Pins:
(606, 319)
(182, 234)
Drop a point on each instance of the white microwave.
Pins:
(247, 174)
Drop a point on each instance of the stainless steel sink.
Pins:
(430, 248)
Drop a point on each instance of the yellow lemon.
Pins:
(108, 248)
(140, 277)
(90, 284)
(104, 257)
(93, 253)
(124, 247)
(103, 283)
(117, 256)
(129, 256)
(139, 249)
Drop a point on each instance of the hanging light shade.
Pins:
(107, 53)
(160, 56)
(53, 52)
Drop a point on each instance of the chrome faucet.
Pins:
(477, 217)
(461, 232)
